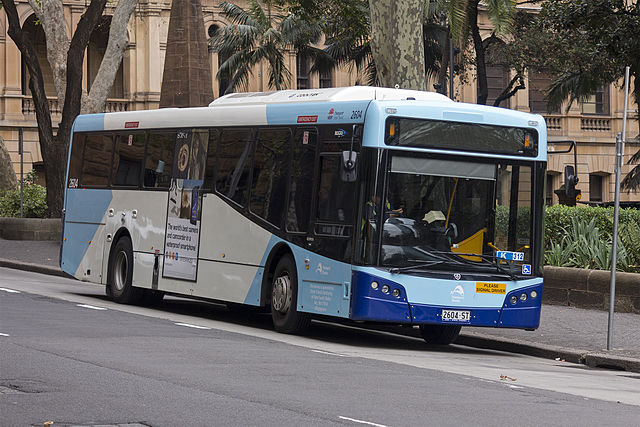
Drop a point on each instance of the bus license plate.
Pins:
(456, 316)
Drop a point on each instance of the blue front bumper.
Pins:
(370, 304)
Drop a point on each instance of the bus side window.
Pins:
(127, 159)
(234, 161)
(159, 159)
(75, 160)
(96, 165)
(211, 160)
(270, 171)
(301, 188)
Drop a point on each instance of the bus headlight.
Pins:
(523, 297)
(385, 289)
(513, 299)
(396, 293)
(533, 294)
(374, 285)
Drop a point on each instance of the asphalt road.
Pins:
(70, 356)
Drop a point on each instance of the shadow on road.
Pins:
(329, 331)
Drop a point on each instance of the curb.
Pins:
(36, 268)
(470, 339)
(585, 357)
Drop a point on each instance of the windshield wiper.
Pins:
(396, 270)
(487, 259)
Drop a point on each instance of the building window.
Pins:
(302, 71)
(597, 103)
(497, 81)
(326, 79)
(548, 195)
(538, 86)
(595, 188)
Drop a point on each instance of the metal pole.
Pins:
(620, 138)
(21, 150)
(451, 67)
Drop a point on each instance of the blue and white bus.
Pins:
(370, 204)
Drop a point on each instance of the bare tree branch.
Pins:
(55, 29)
(118, 40)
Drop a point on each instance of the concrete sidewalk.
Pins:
(565, 334)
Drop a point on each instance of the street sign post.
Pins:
(620, 138)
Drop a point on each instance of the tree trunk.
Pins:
(397, 43)
(51, 16)
(8, 180)
(481, 65)
(43, 114)
(54, 149)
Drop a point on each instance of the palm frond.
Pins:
(298, 32)
(233, 38)
(576, 85)
(501, 13)
(236, 14)
(457, 14)
(631, 182)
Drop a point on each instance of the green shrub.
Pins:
(581, 237)
(34, 202)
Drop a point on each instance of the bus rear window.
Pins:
(448, 135)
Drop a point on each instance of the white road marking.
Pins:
(92, 307)
(515, 386)
(361, 421)
(188, 325)
(3, 335)
(11, 291)
(330, 353)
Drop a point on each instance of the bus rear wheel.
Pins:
(440, 334)
(284, 299)
(119, 280)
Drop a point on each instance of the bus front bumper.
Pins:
(369, 304)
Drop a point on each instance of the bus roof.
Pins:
(352, 93)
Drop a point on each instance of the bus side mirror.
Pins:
(348, 166)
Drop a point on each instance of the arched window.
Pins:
(95, 52)
(36, 33)
(223, 80)
(303, 80)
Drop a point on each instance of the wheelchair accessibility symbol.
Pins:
(526, 268)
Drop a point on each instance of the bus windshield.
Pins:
(443, 214)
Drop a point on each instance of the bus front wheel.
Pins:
(119, 281)
(284, 299)
(440, 334)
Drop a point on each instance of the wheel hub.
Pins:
(120, 270)
(281, 295)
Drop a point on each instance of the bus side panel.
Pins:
(324, 284)
(233, 250)
(84, 233)
(143, 214)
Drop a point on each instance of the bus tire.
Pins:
(440, 334)
(284, 298)
(119, 283)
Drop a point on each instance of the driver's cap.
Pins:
(433, 216)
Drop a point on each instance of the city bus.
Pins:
(362, 204)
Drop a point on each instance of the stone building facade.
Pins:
(593, 125)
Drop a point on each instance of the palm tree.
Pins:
(260, 34)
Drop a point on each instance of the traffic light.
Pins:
(570, 181)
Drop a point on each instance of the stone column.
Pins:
(186, 81)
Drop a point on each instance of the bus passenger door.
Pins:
(325, 283)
